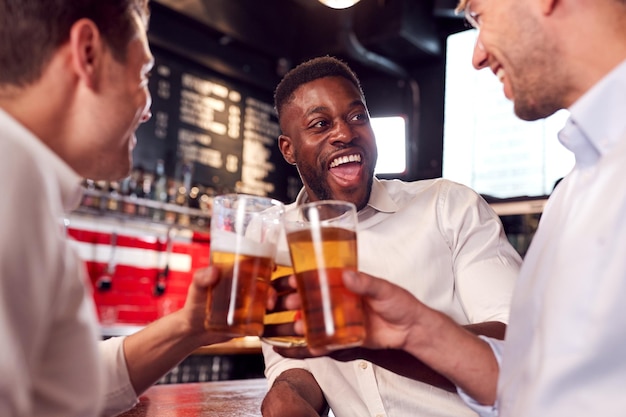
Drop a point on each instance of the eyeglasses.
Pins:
(471, 16)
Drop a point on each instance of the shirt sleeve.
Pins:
(276, 364)
(485, 264)
(120, 394)
(481, 409)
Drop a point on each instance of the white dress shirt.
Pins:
(565, 349)
(49, 361)
(444, 244)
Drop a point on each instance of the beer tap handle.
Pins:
(161, 278)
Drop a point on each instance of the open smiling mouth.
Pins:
(347, 167)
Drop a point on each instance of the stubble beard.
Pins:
(539, 89)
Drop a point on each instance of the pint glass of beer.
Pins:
(244, 233)
(322, 244)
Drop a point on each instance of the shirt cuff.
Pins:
(481, 409)
(120, 394)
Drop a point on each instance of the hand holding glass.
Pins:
(278, 328)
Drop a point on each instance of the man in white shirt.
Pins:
(73, 89)
(435, 238)
(563, 354)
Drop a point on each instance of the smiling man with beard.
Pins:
(437, 239)
(331, 144)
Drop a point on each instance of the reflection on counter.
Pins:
(222, 399)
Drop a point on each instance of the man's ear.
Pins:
(286, 148)
(87, 49)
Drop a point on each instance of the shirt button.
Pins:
(363, 365)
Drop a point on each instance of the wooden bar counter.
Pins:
(237, 398)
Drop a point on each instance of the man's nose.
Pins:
(342, 132)
(479, 56)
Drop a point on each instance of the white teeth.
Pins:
(345, 159)
(500, 74)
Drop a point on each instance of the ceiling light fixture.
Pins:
(339, 4)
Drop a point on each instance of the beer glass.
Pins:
(244, 233)
(323, 243)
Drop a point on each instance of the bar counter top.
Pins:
(237, 398)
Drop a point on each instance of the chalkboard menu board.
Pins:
(223, 131)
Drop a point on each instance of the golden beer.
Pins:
(332, 314)
(236, 305)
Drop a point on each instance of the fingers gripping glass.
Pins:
(279, 323)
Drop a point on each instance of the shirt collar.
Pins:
(68, 181)
(380, 200)
(597, 119)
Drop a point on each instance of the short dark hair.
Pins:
(32, 30)
(311, 70)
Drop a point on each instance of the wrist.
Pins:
(424, 336)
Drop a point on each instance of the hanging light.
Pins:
(339, 4)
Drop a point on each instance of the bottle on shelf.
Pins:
(125, 186)
(148, 180)
(113, 202)
(182, 197)
(172, 190)
(140, 193)
(159, 190)
(102, 188)
(90, 197)
(151, 197)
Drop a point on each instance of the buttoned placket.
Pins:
(369, 388)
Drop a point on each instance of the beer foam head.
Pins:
(283, 258)
(231, 242)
